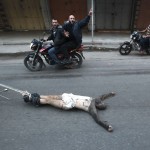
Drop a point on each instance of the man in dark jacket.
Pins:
(58, 38)
(74, 30)
(77, 30)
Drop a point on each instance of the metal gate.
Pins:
(23, 14)
(113, 14)
(61, 10)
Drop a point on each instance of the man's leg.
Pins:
(37, 100)
(144, 43)
(53, 100)
(52, 53)
(66, 47)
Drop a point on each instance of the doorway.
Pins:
(113, 14)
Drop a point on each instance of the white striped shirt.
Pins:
(148, 30)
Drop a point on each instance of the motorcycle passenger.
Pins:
(58, 38)
(73, 29)
(145, 41)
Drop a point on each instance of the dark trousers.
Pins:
(66, 47)
(52, 53)
(144, 42)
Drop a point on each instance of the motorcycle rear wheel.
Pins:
(76, 61)
(125, 48)
(28, 62)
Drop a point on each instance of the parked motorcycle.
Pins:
(34, 61)
(134, 44)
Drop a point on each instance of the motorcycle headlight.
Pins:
(31, 45)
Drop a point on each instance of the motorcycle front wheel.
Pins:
(33, 66)
(125, 48)
(76, 61)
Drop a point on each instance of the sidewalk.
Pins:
(100, 41)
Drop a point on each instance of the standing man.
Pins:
(74, 30)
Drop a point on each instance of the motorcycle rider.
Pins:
(57, 35)
(68, 101)
(145, 41)
(74, 30)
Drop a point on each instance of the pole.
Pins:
(92, 29)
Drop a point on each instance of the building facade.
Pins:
(109, 15)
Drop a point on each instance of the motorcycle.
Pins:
(34, 61)
(134, 44)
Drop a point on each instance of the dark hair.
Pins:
(55, 19)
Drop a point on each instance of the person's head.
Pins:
(71, 19)
(54, 23)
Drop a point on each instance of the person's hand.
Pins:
(66, 34)
(90, 12)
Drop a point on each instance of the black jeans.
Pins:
(66, 47)
(144, 42)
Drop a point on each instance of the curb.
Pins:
(87, 49)
(84, 43)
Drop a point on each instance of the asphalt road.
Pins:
(24, 127)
